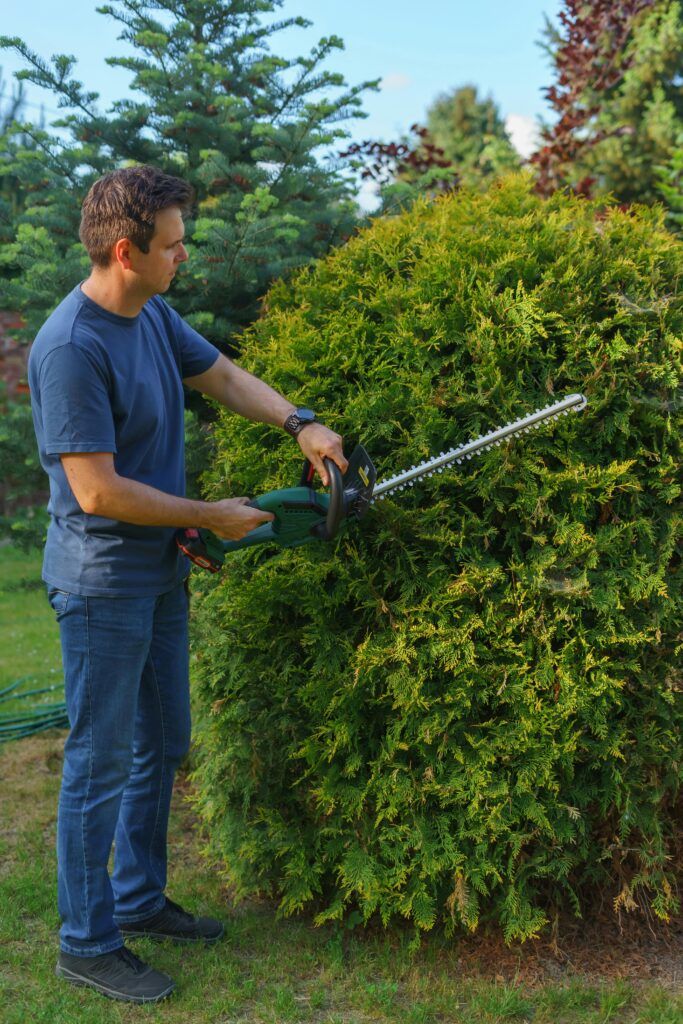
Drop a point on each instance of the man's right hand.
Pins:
(233, 518)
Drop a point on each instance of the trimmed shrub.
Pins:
(467, 707)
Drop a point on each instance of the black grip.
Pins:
(335, 511)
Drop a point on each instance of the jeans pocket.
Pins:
(59, 601)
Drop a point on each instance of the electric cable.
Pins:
(17, 724)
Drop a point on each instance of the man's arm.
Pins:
(245, 394)
(100, 491)
(240, 391)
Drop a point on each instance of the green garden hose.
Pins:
(15, 725)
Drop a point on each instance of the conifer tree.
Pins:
(211, 102)
(640, 124)
(464, 142)
(469, 710)
(12, 107)
(472, 134)
(618, 98)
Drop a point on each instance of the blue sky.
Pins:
(419, 50)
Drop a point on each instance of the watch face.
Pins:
(297, 420)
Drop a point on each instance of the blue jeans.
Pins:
(127, 697)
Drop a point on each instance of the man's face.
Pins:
(157, 268)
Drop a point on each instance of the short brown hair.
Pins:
(123, 204)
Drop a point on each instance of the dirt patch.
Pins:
(596, 949)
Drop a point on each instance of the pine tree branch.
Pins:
(45, 78)
(265, 31)
(325, 46)
(152, 26)
(27, 130)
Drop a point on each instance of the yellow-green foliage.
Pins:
(466, 708)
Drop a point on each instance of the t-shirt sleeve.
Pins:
(74, 401)
(196, 353)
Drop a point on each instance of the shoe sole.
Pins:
(180, 939)
(111, 993)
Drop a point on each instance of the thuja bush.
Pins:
(467, 707)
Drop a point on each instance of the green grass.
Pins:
(265, 970)
(29, 633)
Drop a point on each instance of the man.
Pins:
(106, 373)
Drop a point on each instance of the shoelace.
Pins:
(129, 958)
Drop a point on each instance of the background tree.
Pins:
(464, 142)
(211, 102)
(670, 185)
(618, 98)
(23, 485)
(641, 122)
(12, 108)
(472, 135)
(403, 170)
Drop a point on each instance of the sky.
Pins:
(418, 51)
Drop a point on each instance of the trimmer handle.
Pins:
(335, 511)
(201, 547)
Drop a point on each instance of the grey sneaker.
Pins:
(119, 975)
(172, 922)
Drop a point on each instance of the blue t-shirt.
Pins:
(107, 383)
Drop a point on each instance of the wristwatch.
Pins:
(297, 420)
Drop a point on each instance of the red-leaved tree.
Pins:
(422, 163)
(590, 62)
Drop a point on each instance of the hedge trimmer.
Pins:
(303, 514)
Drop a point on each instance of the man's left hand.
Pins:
(318, 442)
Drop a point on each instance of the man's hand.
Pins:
(248, 396)
(232, 518)
(318, 442)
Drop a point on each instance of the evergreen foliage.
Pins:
(670, 185)
(212, 103)
(466, 708)
(199, 449)
(618, 97)
(472, 134)
(463, 142)
(640, 123)
(23, 485)
(12, 198)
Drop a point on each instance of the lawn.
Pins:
(30, 640)
(267, 970)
